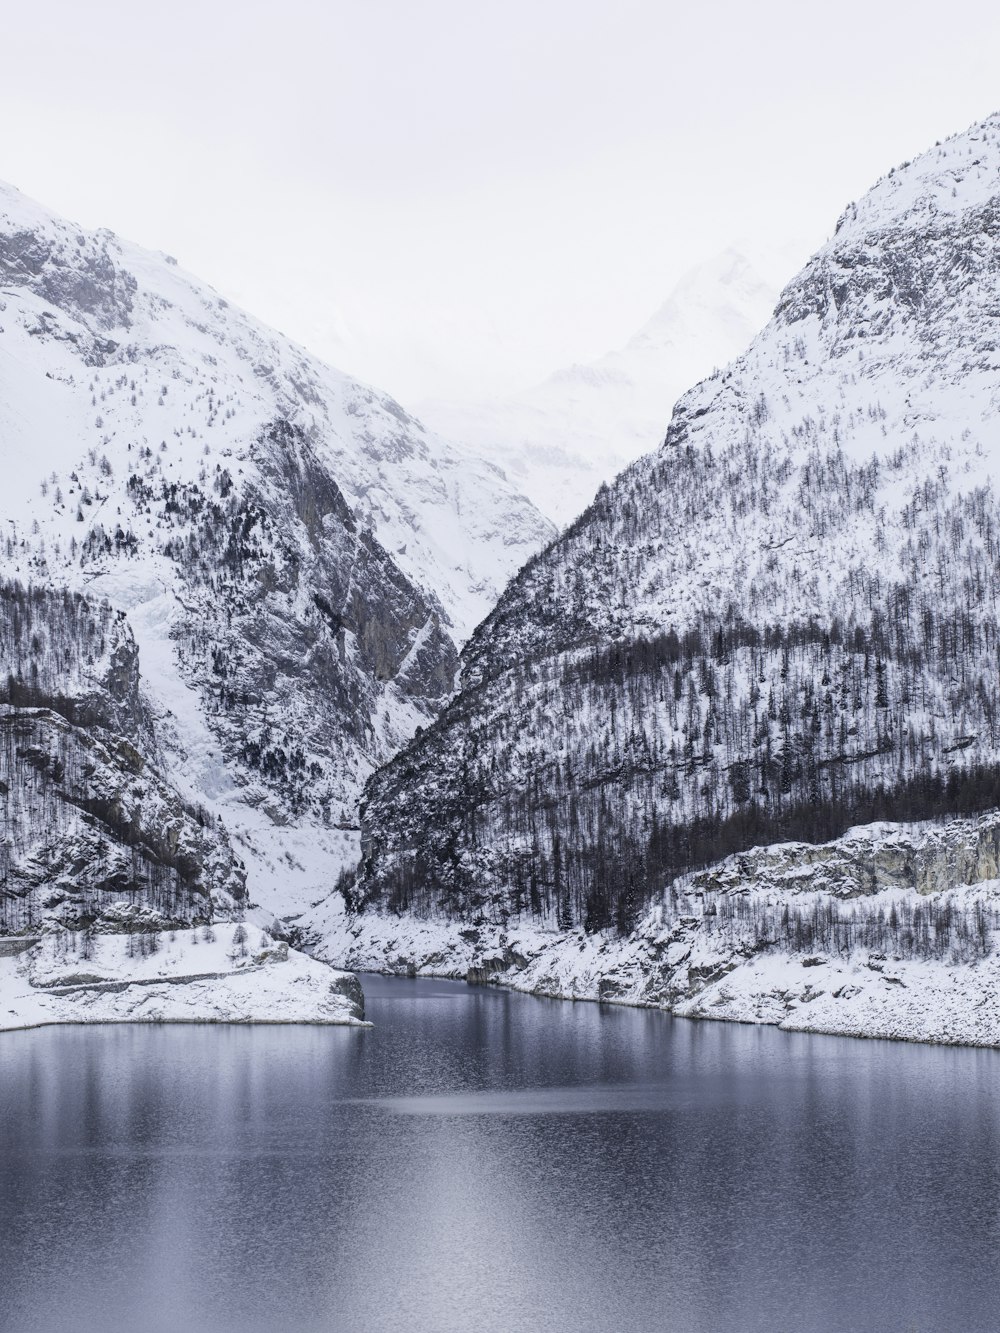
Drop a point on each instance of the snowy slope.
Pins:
(780, 624)
(559, 441)
(109, 878)
(83, 311)
(296, 555)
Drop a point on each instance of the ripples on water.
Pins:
(487, 1161)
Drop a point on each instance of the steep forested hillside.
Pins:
(780, 624)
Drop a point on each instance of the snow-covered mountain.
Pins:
(780, 624)
(560, 440)
(86, 314)
(296, 556)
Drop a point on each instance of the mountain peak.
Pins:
(957, 174)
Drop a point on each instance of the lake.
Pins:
(481, 1160)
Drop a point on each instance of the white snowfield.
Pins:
(219, 974)
(721, 945)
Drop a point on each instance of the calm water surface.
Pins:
(487, 1161)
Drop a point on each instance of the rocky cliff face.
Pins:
(120, 899)
(94, 834)
(312, 655)
(68, 269)
(780, 624)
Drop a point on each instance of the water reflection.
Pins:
(487, 1160)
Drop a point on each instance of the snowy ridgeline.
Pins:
(227, 973)
(889, 931)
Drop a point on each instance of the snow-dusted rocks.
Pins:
(90, 820)
(109, 878)
(781, 624)
(110, 881)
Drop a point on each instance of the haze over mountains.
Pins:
(580, 427)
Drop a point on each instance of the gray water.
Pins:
(487, 1161)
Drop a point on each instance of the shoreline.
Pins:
(189, 1022)
(929, 1002)
(695, 1017)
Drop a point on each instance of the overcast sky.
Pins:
(454, 198)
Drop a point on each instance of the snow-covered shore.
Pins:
(220, 974)
(864, 995)
(890, 931)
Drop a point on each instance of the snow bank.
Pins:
(222, 974)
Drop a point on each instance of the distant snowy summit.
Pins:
(579, 428)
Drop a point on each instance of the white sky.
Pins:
(452, 198)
